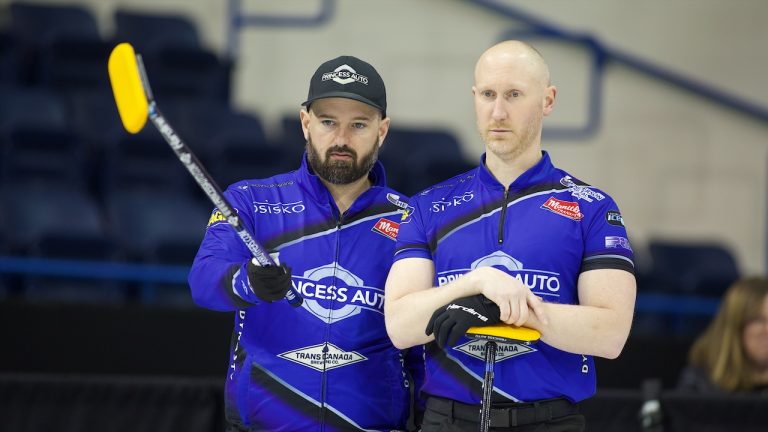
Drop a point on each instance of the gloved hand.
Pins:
(451, 321)
(269, 283)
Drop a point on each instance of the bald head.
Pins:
(512, 95)
(514, 57)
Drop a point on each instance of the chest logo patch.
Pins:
(323, 357)
(541, 282)
(568, 209)
(332, 293)
(476, 349)
(455, 201)
(267, 207)
(387, 228)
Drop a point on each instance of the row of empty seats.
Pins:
(681, 284)
(61, 45)
(82, 140)
(75, 185)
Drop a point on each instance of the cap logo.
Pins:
(345, 75)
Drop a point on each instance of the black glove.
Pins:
(451, 321)
(269, 283)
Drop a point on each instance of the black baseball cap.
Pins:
(351, 78)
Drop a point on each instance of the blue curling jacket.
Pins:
(545, 230)
(328, 365)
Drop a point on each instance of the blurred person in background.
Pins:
(731, 355)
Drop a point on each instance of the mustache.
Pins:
(341, 149)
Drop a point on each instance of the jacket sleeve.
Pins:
(218, 278)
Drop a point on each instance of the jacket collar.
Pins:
(532, 176)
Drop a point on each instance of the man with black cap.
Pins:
(328, 365)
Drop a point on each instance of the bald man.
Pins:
(519, 241)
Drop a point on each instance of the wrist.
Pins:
(474, 283)
(534, 322)
(242, 287)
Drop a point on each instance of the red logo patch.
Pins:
(386, 228)
(568, 209)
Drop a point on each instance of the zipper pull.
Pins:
(502, 215)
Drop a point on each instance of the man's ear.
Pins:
(549, 99)
(383, 130)
(304, 119)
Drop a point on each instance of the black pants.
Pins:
(557, 415)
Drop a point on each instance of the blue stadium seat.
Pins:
(144, 220)
(292, 138)
(695, 268)
(159, 228)
(92, 114)
(153, 33)
(439, 170)
(240, 160)
(36, 209)
(418, 158)
(42, 154)
(6, 280)
(672, 271)
(30, 108)
(9, 59)
(97, 248)
(216, 121)
(36, 23)
(176, 62)
(209, 124)
(72, 64)
(431, 143)
(142, 161)
(33, 123)
(36, 26)
(57, 221)
(188, 72)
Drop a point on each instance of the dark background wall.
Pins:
(193, 342)
(125, 340)
(139, 368)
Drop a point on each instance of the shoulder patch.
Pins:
(216, 217)
(614, 218)
(406, 209)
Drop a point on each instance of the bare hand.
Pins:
(514, 298)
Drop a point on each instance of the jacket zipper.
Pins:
(503, 213)
(323, 382)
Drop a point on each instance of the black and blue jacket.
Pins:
(328, 365)
(545, 230)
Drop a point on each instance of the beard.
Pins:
(341, 172)
(517, 145)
